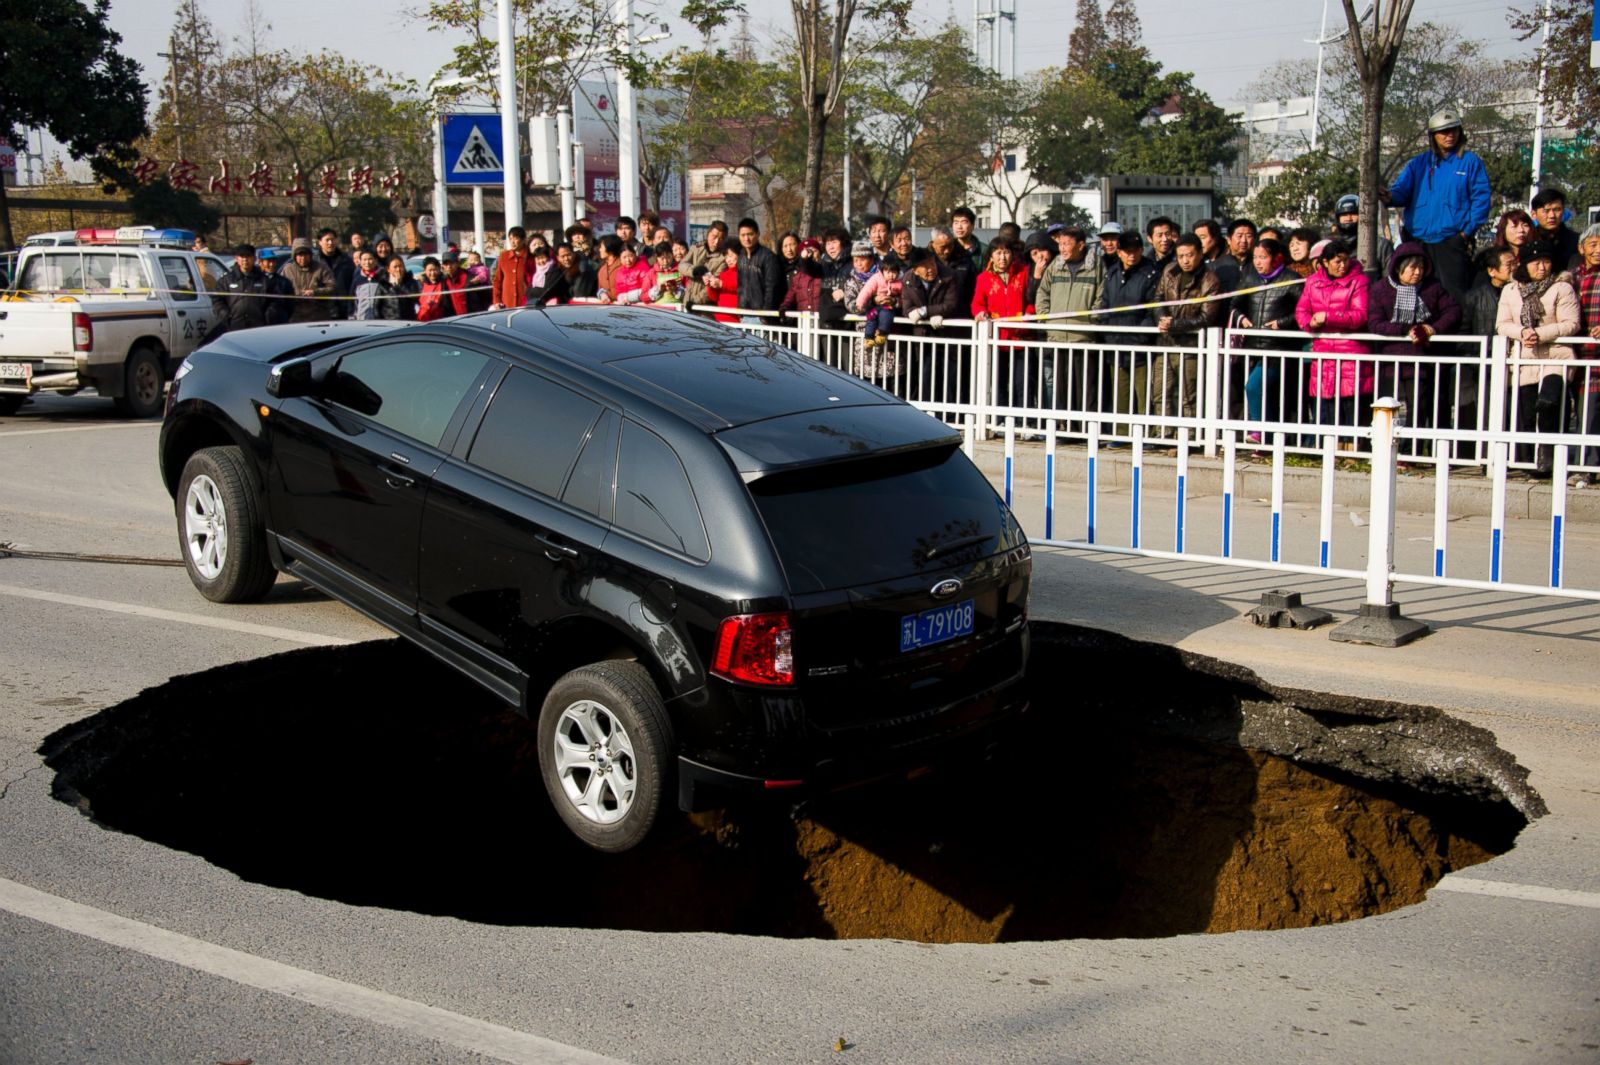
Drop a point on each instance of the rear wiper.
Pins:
(965, 541)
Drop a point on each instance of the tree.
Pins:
(1571, 85)
(1088, 38)
(1318, 177)
(1374, 55)
(739, 114)
(1011, 113)
(819, 54)
(64, 71)
(1070, 130)
(1122, 24)
(1436, 67)
(159, 204)
(918, 105)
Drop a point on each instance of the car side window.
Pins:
(177, 279)
(593, 484)
(211, 271)
(533, 431)
(654, 499)
(49, 273)
(413, 388)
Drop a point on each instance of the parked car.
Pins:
(703, 562)
(116, 318)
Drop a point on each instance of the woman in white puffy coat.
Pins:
(1537, 308)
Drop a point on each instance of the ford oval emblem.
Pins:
(946, 588)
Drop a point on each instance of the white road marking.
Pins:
(353, 1000)
(312, 639)
(1525, 892)
(80, 429)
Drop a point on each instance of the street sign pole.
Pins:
(441, 194)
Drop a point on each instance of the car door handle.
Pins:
(183, 314)
(396, 479)
(555, 550)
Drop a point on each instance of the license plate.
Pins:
(16, 375)
(937, 625)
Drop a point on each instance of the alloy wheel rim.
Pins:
(595, 762)
(205, 527)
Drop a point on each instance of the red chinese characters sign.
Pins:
(265, 181)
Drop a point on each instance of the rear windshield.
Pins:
(846, 524)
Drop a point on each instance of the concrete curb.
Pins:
(1471, 494)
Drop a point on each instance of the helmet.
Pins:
(1443, 120)
(1349, 203)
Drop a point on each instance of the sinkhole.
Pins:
(1147, 792)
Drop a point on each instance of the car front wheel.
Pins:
(604, 753)
(220, 528)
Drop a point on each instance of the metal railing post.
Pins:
(982, 356)
(1211, 386)
(1379, 621)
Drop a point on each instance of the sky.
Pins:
(1225, 54)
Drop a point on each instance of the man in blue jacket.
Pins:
(1445, 193)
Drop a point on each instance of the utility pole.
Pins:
(627, 120)
(509, 134)
(1538, 120)
(171, 57)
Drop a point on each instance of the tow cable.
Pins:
(9, 550)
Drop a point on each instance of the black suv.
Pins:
(698, 557)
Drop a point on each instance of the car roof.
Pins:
(712, 375)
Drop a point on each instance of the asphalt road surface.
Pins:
(114, 948)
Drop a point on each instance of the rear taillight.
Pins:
(82, 332)
(756, 649)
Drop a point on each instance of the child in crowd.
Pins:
(723, 288)
(864, 267)
(669, 280)
(542, 261)
(879, 300)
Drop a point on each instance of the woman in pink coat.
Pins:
(1334, 300)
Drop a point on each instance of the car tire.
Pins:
(221, 532)
(605, 752)
(11, 404)
(143, 386)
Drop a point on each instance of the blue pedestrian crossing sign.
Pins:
(472, 149)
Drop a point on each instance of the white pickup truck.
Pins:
(113, 318)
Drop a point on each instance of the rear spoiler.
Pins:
(832, 435)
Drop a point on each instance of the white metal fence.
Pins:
(1464, 407)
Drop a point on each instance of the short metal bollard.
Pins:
(1379, 622)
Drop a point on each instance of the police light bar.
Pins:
(148, 236)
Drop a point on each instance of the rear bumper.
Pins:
(845, 757)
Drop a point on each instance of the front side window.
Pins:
(654, 499)
(411, 388)
(177, 279)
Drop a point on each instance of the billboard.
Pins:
(595, 116)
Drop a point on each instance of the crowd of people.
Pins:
(1536, 281)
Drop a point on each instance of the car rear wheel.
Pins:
(144, 388)
(605, 749)
(220, 528)
(11, 404)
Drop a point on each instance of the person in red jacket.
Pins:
(723, 289)
(1002, 292)
(512, 271)
(434, 302)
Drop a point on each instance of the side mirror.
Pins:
(289, 379)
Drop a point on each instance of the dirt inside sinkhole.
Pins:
(370, 775)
